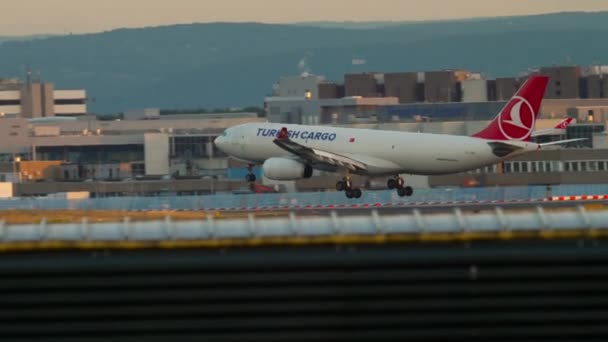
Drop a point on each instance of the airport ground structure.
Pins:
(146, 153)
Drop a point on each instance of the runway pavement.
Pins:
(401, 207)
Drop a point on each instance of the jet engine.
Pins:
(286, 169)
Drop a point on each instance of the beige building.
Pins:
(37, 100)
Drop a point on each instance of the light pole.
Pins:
(211, 157)
(16, 159)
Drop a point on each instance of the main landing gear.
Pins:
(250, 177)
(347, 186)
(398, 183)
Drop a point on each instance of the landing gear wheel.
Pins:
(349, 193)
(395, 182)
(344, 184)
(401, 192)
(353, 193)
(340, 186)
(405, 191)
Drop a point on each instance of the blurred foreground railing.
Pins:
(371, 223)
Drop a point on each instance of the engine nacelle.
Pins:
(286, 169)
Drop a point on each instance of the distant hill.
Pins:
(13, 38)
(227, 65)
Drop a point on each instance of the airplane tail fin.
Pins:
(564, 123)
(516, 120)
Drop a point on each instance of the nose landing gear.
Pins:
(250, 177)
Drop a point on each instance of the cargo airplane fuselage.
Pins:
(383, 152)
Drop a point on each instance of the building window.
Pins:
(566, 166)
(190, 147)
(601, 165)
(10, 102)
(593, 166)
(516, 167)
(557, 166)
(508, 168)
(575, 166)
(534, 166)
(524, 167)
(70, 102)
(138, 169)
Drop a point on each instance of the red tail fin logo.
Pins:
(564, 123)
(516, 120)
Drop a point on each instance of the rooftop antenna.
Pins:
(28, 78)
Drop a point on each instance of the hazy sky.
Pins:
(23, 17)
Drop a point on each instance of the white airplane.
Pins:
(560, 128)
(290, 152)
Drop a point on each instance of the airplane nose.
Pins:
(221, 142)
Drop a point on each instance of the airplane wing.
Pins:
(317, 156)
(504, 148)
(559, 142)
